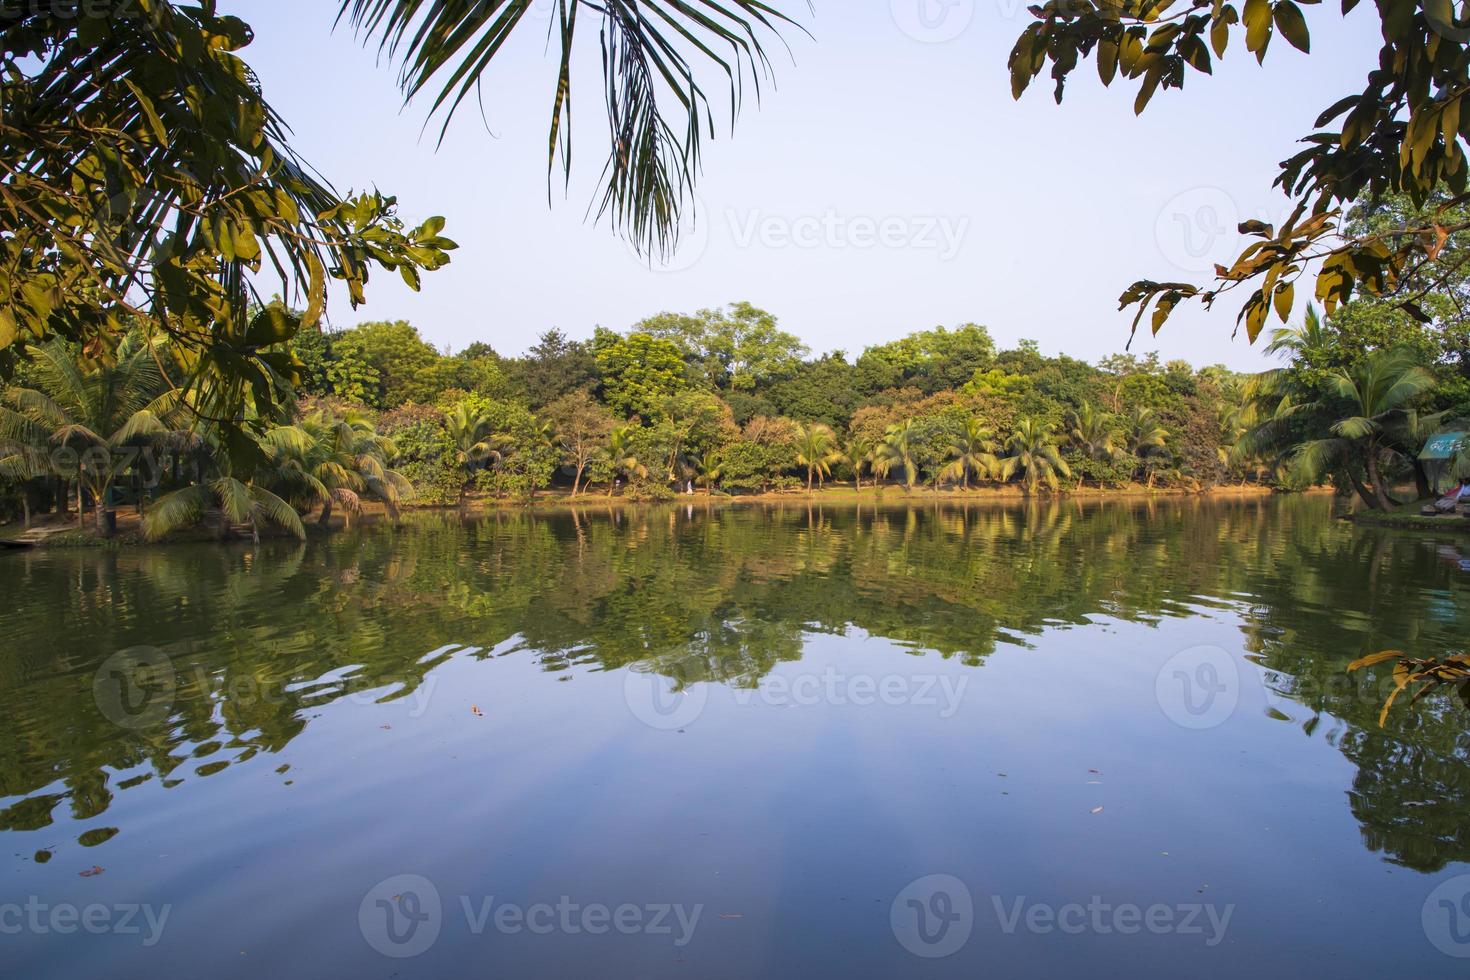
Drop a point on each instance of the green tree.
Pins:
(732, 349)
(582, 427)
(158, 185)
(1402, 134)
(971, 451)
(816, 449)
(900, 450)
(328, 461)
(237, 502)
(1377, 393)
(1032, 452)
(1092, 433)
(474, 440)
(638, 372)
(619, 457)
(99, 416)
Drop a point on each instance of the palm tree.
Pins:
(331, 461)
(620, 457)
(101, 416)
(971, 450)
(1033, 452)
(1093, 434)
(708, 468)
(858, 452)
(816, 449)
(238, 501)
(1295, 342)
(647, 48)
(474, 442)
(898, 449)
(1376, 391)
(1142, 434)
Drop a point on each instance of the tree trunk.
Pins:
(808, 481)
(1421, 482)
(1379, 493)
(576, 480)
(81, 507)
(1362, 491)
(25, 505)
(325, 517)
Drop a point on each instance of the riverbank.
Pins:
(1409, 519)
(47, 532)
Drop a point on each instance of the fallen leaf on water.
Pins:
(91, 872)
(1095, 772)
(386, 728)
(1097, 809)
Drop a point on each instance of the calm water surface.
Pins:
(1104, 739)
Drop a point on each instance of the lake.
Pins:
(1078, 738)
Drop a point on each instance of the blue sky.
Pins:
(886, 182)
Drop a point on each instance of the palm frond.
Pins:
(654, 53)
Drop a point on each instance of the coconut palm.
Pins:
(971, 450)
(476, 444)
(708, 468)
(816, 449)
(899, 449)
(1142, 434)
(1377, 391)
(1093, 433)
(334, 462)
(1032, 452)
(620, 458)
(657, 57)
(1294, 342)
(858, 451)
(237, 502)
(95, 420)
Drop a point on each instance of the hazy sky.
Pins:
(886, 182)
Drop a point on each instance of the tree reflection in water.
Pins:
(257, 638)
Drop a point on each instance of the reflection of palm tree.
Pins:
(620, 457)
(1033, 453)
(1376, 390)
(898, 449)
(816, 449)
(972, 450)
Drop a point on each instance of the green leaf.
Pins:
(1292, 25)
(1257, 18)
(1107, 61)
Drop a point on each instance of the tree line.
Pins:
(720, 401)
